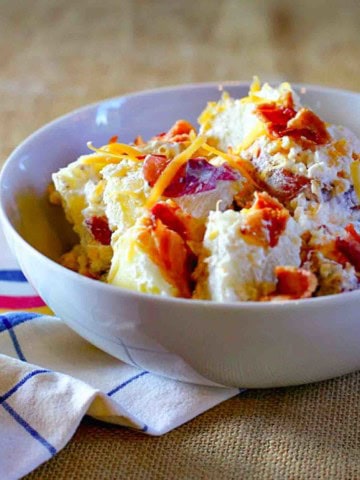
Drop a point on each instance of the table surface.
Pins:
(56, 56)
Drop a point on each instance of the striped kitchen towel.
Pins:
(50, 378)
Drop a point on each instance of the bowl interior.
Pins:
(27, 173)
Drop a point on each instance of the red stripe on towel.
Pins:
(20, 302)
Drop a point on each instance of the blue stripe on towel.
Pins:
(16, 387)
(36, 435)
(15, 319)
(130, 380)
(12, 276)
(14, 339)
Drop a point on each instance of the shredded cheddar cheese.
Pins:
(171, 169)
(207, 114)
(355, 176)
(254, 88)
(121, 151)
(120, 148)
(252, 99)
(255, 85)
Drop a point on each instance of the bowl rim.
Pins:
(314, 302)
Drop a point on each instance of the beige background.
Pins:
(58, 55)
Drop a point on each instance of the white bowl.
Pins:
(244, 344)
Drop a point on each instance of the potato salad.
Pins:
(259, 202)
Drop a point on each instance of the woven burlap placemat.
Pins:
(309, 432)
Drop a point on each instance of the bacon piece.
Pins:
(99, 229)
(179, 132)
(168, 216)
(264, 200)
(349, 246)
(265, 221)
(174, 218)
(295, 282)
(180, 137)
(139, 141)
(329, 250)
(307, 124)
(288, 100)
(285, 184)
(281, 120)
(292, 283)
(169, 251)
(275, 117)
(350, 229)
(172, 240)
(180, 127)
(153, 167)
